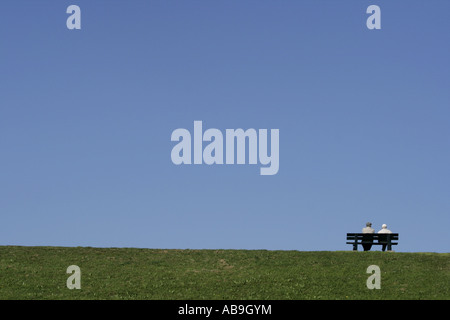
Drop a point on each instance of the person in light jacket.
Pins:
(384, 229)
(367, 229)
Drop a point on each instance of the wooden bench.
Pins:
(373, 239)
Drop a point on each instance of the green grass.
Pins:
(130, 273)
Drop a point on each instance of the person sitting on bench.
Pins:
(367, 229)
(384, 229)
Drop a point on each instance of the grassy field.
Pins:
(129, 273)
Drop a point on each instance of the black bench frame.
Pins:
(373, 239)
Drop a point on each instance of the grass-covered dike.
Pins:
(131, 273)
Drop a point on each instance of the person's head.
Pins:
(368, 224)
(384, 226)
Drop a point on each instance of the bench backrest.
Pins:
(372, 236)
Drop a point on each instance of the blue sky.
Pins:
(86, 118)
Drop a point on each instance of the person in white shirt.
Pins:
(384, 229)
(367, 229)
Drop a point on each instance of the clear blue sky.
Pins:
(86, 118)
